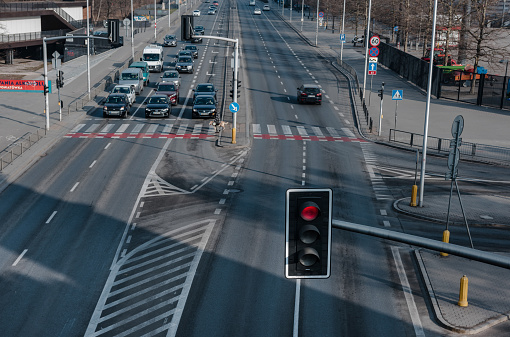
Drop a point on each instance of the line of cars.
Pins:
(136, 77)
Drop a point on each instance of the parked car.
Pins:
(171, 76)
(257, 11)
(204, 89)
(196, 12)
(170, 90)
(204, 106)
(309, 93)
(193, 49)
(170, 41)
(125, 89)
(116, 105)
(184, 63)
(158, 106)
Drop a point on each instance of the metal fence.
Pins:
(471, 151)
(8, 155)
(6, 38)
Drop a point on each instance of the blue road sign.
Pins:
(372, 66)
(234, 107)
(321, 14)
(373, 51)
(395, 29)
(342, 38)
(397, 95)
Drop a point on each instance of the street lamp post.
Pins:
(132, 34)
(169, 15)
(317, 19)
(155, 21)
(302, 13)
(505, 83)
(88, 51)
(365, 41)
(343, 32)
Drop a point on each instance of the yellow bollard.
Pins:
(463, 292)
(233, 135)
(446, 238)
(414, 192)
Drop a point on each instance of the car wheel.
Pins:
(146, 115)
(105, 115)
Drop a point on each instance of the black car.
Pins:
(170, 41)
(192, 49)
(199, 30)
(116, 105)
(309, 93)
(197, 38)
(204, 106)
(158, 106)
(204, 89)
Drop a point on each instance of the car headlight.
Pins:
(195, 110)
(122, 108)
(148, 109)
(105, 108)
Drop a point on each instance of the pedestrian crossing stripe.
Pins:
(397, 95)
(140, 135)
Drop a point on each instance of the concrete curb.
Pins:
(437, 311)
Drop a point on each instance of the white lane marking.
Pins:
(411, 305)
(286, 130)
(317, 131)
(271, 129)
(137, 128)
(74, 187)
(348, 132)
(167, 128)
(51, 217)
(107, 128)
(217, 211)
(383, 212)
(256, 129)
(93, 163)
(92, 128)
(19, 257)
(336, 108)
(107, 145)
(295, 330)
(122, 128)
(386, 223)
(346, 121)
(222, 201)
(152, 128)
(302, 130)
(332, 131)
(77, 128)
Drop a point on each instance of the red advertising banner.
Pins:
(23, 85)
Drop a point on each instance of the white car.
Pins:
(196, 12)
(125, 89)
(265, 8)
(257, 11)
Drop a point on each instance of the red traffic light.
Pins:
(309, 211)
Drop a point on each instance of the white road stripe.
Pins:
(152, 128)
(256, 129)
(286, 130)
(317, 131)
(107, 128)
(77, 128)
(167, 128)
(137, 128)
(74, 187)
(302, 130)
(197, 129)
(332, 131)
(51, 217)
(349, 134)
(20, 257)
(182, 129)
(272, 129)
(122, 128)
(92, 128)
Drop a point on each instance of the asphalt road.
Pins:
(135, 226)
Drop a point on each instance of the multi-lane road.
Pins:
(137, 227)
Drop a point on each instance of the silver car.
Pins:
(125, 89)
(171, 76)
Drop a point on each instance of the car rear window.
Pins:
(158, 100)
(166, 87)
(114, 99)
(170, 75)
(204, 100)
(311, 90)
(205, 88)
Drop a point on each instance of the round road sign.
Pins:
(457, 126)
(375, 40)
(234, 107)
(373, 52)
(321, 14)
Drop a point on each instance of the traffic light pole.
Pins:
(45, 75)
(236, 62)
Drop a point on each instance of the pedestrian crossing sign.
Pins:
(397, 95)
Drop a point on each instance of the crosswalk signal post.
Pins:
(308, 233)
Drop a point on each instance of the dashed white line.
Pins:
(383, 212)
(20, 257)
(51, 217)
(107, 145)
(386, 223)
(222, 201)
(93, 163)
(74, 187)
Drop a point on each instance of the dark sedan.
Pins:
(204, 106)
(204, 89)
(116, 105)
(158, 106)
(309, 93)
(170, 41)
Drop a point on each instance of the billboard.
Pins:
(23, 85)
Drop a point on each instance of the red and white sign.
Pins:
(372, 72)
(23, 85)
(375, 40)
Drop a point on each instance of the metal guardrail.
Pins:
(39, 6)
(471, 151)
(6, 38)
(24, 143)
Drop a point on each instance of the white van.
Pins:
(132, 77)
(153, 55)
(252, 2)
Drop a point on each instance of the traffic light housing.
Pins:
(381, 91)
(186, 27)
(308, 233)
(114, 31)
(60, 79)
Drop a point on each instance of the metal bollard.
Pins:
(414, 192)
(463, 292)
(446, 238)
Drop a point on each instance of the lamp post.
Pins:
(88, 51)
(505, 83)
(169, 15)
(317, 19)
(302, 13)
(365, 41)
(155, 20)
(343, 32)
(132, 34)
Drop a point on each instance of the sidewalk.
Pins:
(488, 301)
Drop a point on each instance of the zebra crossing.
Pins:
(381, 191)
(143, 130)
(301, 132)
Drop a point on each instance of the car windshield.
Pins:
(199, 28)
(158, 100)
(204, 101)
(185, 60)
(166, 87)
(170, 75)
(190, 48)
(122, 90)
(114, 99)
(129, 76)
(151, 57)
(169, 37)
(311, 90)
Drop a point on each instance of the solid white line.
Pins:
(93, 163)
(295, 330)
(19, 257)
(51, 217)
(411, 305)
(74, 187)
